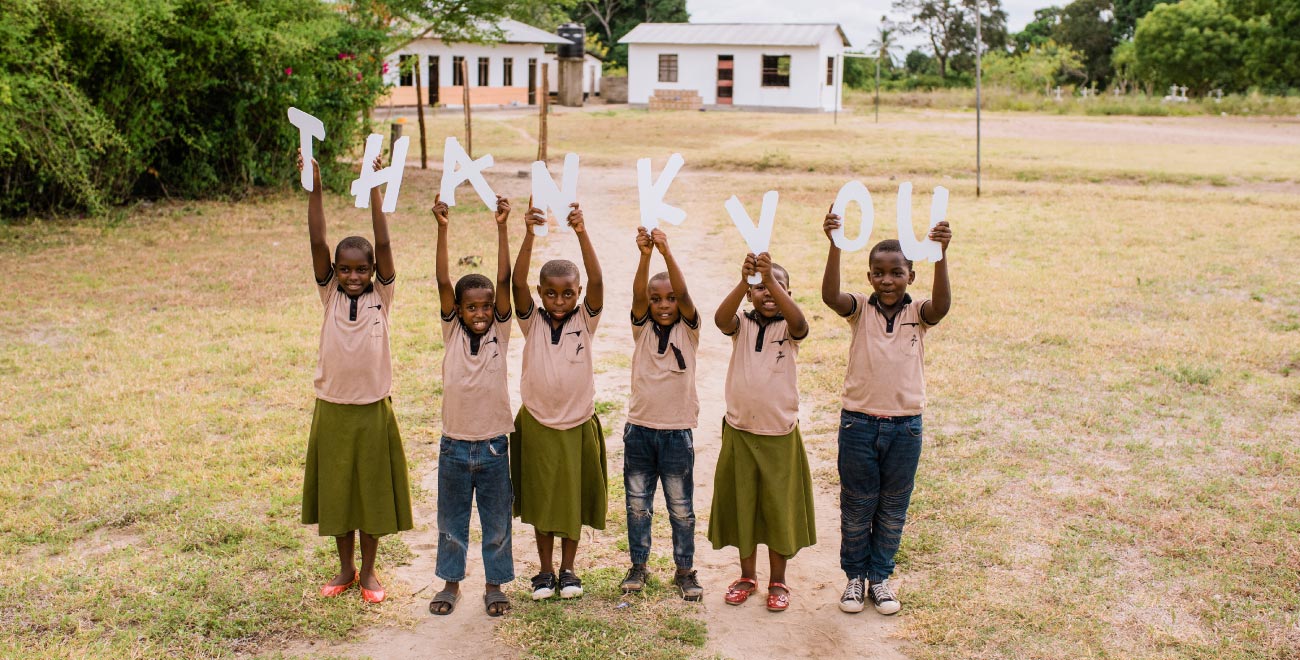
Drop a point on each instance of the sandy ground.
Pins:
(813, 627)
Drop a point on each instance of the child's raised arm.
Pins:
(503, 257)
(940, 293)
(640, 299)
(725, 318)
(685, 305)
(797, 324)
(320, 249)
(595, 282)
(385, 268)
(834, 298)
(519, 280)
(442, 270)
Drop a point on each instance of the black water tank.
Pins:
(576, 35)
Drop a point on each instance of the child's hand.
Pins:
(503, 210)
(750, 266)
(534, 217)
(942, 233)
(831, 223)
(315, 169)
(660, 240)
(575, 219)
(763, 266)
(378, 164)
(644, 243)
(441, 210)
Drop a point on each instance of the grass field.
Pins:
(1113, 457)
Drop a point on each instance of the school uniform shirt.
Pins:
(475, 397)
(886, 376)
(354, 365)
(663, 374)
(558, 383)
(762, 380)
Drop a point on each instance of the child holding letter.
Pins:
(664, 407)
(355, 478)
(880, 425)
(473, 459)
(763, 490)
(558, 445)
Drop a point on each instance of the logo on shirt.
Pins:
(579, 351)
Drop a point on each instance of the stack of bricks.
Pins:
(676, 99)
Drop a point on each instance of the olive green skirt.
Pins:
(356, 471)
(762, 493)
(559, 477)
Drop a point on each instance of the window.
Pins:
(507, 72)
(668, 68)
(776, 70)
(830, 71)
(482, 72)
(406, 70)
(457, 71)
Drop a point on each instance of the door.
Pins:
(433, 80)
(532, 81)
(726, 78)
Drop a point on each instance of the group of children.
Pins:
(546, 463)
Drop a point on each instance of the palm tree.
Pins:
(884, 44)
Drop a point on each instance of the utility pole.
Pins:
(979, 49)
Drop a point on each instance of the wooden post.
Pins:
(469, 128)
(543, 107)
(419, 110)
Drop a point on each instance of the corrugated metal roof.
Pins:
(522, 33)
(734, 34)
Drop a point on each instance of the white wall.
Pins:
(697, 69)
(495, 53)
(591, 72)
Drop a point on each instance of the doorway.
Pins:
(726, 78)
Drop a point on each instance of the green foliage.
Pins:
(1128, 12)
(1272, 55)
(949, 27)
(1196, 43)
(917, 62)
(1038, 31)
(1038, 69)
(1087, 27)
(609, 20)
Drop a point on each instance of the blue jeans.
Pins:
(877, 462)
(471, 471)
(650, 455)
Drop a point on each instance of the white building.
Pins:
(776, 66)
(504, 73)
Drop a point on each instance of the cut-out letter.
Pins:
(653, 208)
(555, 199)
(853, 191)
(924, 250)
(758, 238)
(458, 167)
(308, 127)
(372, 178)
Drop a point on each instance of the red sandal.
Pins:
(778, 602)
(736, 595)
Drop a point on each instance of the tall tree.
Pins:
(949, 26)
(1128, 12)
(1196, 43)
(1087, 26)
(1038, 31)
(609, 20)
(1273, 34)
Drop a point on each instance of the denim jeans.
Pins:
(471, 471)
(877, 463)
(651, 455)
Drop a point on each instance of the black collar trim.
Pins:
(557, 331)
(763, 323)
(874, 301)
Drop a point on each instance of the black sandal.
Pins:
(444, 597)
(497, 599)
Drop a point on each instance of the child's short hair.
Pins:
(470, 282)
(781, 269)
(888, 245)
(559, 268)
(355, 243)
(658, 277)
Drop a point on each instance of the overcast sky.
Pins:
(860, 18)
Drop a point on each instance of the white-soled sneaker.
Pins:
(852, 601)
(883, 597)
(543, 586)
(570, 585)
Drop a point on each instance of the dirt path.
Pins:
(812, 628)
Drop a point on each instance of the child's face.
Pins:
(762, 299)
(559, 294)
(353, 270)
(476, 309)
(663, 302)
(889, 276)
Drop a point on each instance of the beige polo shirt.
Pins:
(354, 364)
(763, 380)
(475, 397)
(886, 376)
(558, 383)
(663, 374)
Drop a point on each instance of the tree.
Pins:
(1196, 43)
(1039, 30)
(949, 26)
(611, 19)
(1087, 27)
(917, 63)
(1272, 58)
(1128, 12)
(1037, 69)
(1123, 60)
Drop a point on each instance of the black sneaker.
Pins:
(883, 597)
(635, 580)
(570, 585)
(689, 586)
(852, 600)
(543, 586)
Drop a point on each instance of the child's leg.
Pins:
(677, 468)
(859, 490)
(568, 553)
(494, 497)
(455, 492)
(639, 480)
(900, 453)
(749, 566)
(346, 546)
(545, 550)
(776, 565)
(369, 547)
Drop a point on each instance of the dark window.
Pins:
(507, 72)
(432, 81)
(406, 70)
(482, 72)
(830, 71)
(667, 68)
(457, 71)
(776, 70)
